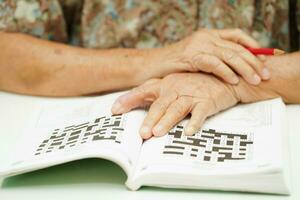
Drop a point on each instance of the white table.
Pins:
(86, 179)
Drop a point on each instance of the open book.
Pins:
(241, 149)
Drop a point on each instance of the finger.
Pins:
(199, 113)
(212, 64)
(156, 111)
(238, 36)
(238, 64)
(135, 98)
(176, 112)
(255, 63)
(262, 57)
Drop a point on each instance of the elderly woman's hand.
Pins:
(177, 95)
(220, 52)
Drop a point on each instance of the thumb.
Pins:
(238, 36)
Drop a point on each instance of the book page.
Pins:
(243, 138)
(71, 129)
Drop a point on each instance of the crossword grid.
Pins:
(209, 145)
(103, 128)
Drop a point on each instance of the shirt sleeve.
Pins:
(40, 18)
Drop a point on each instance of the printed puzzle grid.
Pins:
(209, 145)
(109, 128)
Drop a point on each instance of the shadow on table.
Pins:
(76, 172)
(98, 171)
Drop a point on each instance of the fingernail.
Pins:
(256, 79)
(157, 130)
(190, 130)
(117, 108)
(144, 131)
(266, 73)
(235, 80)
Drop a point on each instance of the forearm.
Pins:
(38, 67)
(285, 81)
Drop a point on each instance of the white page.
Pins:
(260, 122)
(119, 143)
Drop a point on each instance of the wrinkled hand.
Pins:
(175, 96)
(220, 52)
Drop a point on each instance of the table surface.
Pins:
(101, 179)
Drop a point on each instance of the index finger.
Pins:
(156, 111)
(238, 36)
(247, 56)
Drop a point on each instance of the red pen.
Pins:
(265, 51)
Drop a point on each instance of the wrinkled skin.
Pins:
(177, 95)
(219, 52)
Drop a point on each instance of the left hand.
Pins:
(174, 97)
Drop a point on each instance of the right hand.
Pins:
(220, 52)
